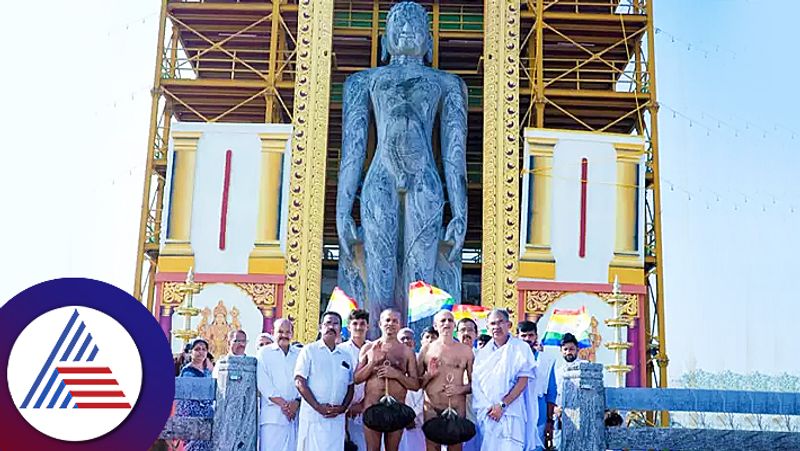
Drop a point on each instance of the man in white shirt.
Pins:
(501, 374)
(413, 439)
(324, 377)
(358, 324)
(280, 400)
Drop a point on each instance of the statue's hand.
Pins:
(454, 236)
(348, 235)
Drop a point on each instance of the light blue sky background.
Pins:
(74, 91)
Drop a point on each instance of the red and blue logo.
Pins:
(87, 367)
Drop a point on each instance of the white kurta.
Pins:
(495, 372)
(329, 374)
(414, 439)
(275, 376)
(355, 426)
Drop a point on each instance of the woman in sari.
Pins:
(198, 366)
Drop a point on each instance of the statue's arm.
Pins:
(454, 157)
(355, 126)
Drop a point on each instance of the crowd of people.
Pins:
(313, 397)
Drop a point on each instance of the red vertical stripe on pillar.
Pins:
(584, 180)
(223, 216)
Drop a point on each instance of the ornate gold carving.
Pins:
(630, 308)
(501, 154)
(537, 302)
(309, 146)
(216, 332)
(171, 295)
(263, 294)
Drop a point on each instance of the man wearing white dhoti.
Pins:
(324, 377)
(501, 374)
(358, 324)
(280, 399)
(413, 439)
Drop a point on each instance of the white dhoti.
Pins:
(277, 437)
(355, 427)
(473, 444)
(324, 435)
(508, 434)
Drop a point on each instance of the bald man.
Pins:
(446, 368)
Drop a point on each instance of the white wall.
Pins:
(601, 202)
(242, 215)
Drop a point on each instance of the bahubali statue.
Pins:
(402, 198)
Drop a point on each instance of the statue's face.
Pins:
(407, 31)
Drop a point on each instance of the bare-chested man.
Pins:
(401, 371)
(446, 367)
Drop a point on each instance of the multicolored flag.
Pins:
(342, 304)
(562, 321)
(477, 313)
(425, 300)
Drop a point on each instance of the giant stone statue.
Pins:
(402, 238)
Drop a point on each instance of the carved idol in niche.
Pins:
(217, 332)
(402, 237)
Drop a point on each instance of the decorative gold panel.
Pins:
(537, 302)
(263, 294)
(170, 293)
(501, 154)
(307, 186)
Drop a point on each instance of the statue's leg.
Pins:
(424, 207)
(379, 219)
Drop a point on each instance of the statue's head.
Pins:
(407, 32)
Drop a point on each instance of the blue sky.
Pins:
(75, 119)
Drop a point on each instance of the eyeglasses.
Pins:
(240, 341)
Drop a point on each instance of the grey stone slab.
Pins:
(235, 413)
(584, 407)
(701, 439)
(197, 388)
(691, 400)
(187, 428)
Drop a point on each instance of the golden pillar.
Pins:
(178, 249)
(301, 301)
(627, 264)
(266, 257)
(501, 173)
(537, 259)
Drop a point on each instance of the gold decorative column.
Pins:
(177, 255)
(301, 301)
(627, 264)
(266, 257)
(537, 259)
(500, 154)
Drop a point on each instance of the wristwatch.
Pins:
(503, 405)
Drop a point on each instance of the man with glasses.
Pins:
(237, 342)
